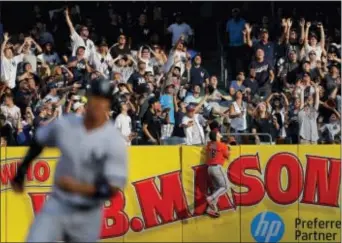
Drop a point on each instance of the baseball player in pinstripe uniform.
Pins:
(91, 169)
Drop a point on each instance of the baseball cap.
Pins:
(121, 36)
(77, 105)
(122, 102)
(214, 125)
(177, 14)
(101, 87)
(313, 35)
(190, 108)
(81, 47)
(235, 10)
(152, 100)
(197, 55)
(26, 63)
(103, 43)
(52, 85)
(264, 30)
(143, 89)
(334, 64)
(213, 135)
(40, 108)
(305, 74)
(237, 91)
(332, 49)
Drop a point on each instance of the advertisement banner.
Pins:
(275, 194)
(320, 204)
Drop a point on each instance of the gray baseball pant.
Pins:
(58, 221)
(219, 180)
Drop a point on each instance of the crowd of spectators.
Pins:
(284, 77)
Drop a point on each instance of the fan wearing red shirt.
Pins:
(217, 153)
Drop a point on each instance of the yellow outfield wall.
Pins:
(276, 194)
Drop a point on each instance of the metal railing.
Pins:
(250, 134)
(138, 139)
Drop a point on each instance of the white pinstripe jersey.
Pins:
(81, 151)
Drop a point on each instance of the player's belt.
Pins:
(214, 165)
(83, 207)
(80, 207)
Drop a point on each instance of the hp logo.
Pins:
(267, 227)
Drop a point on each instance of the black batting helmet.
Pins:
(101, 87)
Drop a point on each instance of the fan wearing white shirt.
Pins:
(30, 49)
(144, 55)
(123, 123)
(179, 28)
(101, 60)
(177, 56)
(311, 44)
(80, 39)
(331, 130)
(10, 111)
(52, 97)
(122, 67)
(9, 63)
(193, 127)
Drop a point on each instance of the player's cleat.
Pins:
(210, 201)
(213, 214)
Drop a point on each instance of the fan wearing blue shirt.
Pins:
(237, 85)
(264, 44)
(198, 75)
(167, 102)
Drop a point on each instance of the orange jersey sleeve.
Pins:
(225, 151)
